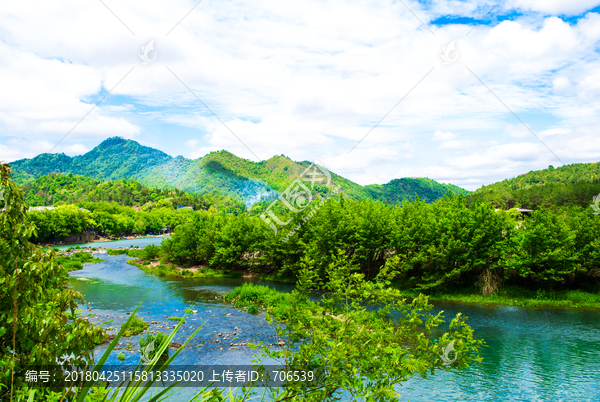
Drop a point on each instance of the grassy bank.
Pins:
(256, 297)
(516, 296)
(156, 267)
(76, 261)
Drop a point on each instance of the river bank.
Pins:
(509, 295)
(156, 267)
(74, 260)
(515, 296)
(101, 239)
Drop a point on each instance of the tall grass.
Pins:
(517, 296)
(253, 296)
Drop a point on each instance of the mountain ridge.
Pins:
(574, 184)
(223, 172)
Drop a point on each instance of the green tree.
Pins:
(34, 326)
(545, 249)
(362, 339)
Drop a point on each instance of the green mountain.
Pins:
(398, 189)
(216, 173)
(59, 188)
(574, 184)
(567, 174)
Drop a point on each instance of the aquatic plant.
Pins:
(135, 325)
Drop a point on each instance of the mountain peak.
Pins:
(112, 141)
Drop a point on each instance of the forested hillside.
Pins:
(57, 189)
(574, 184)
(568, 174)
(216, 173)
(400, 189)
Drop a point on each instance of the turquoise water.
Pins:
(117, 243)
(533, 354)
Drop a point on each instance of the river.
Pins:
(533, 355)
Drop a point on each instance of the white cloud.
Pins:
(308, 80)
(556, 7)
(561, 85)
(441, 136)
(452, 145)
(517, 130)
(15, 149)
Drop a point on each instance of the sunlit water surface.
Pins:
(533, 354)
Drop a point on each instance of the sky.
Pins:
(463, 92)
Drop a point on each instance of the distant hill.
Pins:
(398, 189)
(60, 188)
(574, 184)
(567, 174)
(216, 173)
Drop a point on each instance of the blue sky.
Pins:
(310, 80)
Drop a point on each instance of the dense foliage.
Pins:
(574, 184)
(406, 189)
(549, 196)
(57, 189)
(574, 173)
(428, 246)
(34, 299)
(362, 339)
(104, 218)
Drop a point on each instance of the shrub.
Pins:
(136, 326)
(151, 252)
